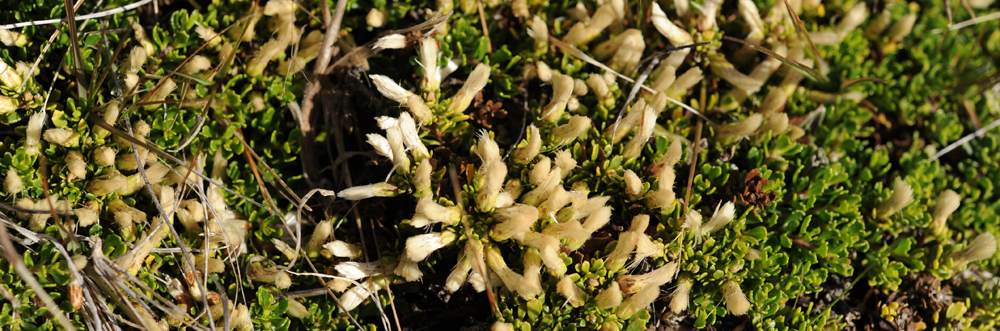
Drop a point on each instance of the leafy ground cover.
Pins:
(563, 165)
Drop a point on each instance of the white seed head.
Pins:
(380, 144)
(395, 137)
(623, 249)
(540, 172)
(609, 298)
(511, 279)
(136, 59)
(13, 38)
(724, 213)
(422, 179)
(544, 188)
(420, 111)
(655, 278)
(492, 175)
(674, 34)
(981, 248)
(852, 20)
(577, 34)
(572, 231)
(208, 35)
(733, 132)
(197, 64)
(577, 126)
(411, 138)
(131, 80)
(637, 302)
(751, 15)
(544, 72)
(902, 27)
(85, 217)
(666, 78)
(599, 86)
(420, 246)
(297, 309)
(166, 86)
(633, 185)
(710, 8)
(562, 89)
(393, 41)
(736, 301)
(429, 212)
(947, 203)
(357, 294)
(565, 161)
(597, 219)
(573, 294)
(539, 31)
(368, 191)
(603, 17)
(429, 49)
(386, 122)
(774, 122)
(725, 70)
(902, 196)
(682, 295)
(409, 270)
(514, 221)
(319, 236)
(390, 89)
(686, 81)
(375, 18)
(7, 105)
(9, 76)
(458, 275)
(340, 248)
(476, 81)
(12, 183)
(692, 223)
(673, 154)
(487, 148)
(62, 137)
(548, 250)
(527, 153)
(646, 125)
(74, 161)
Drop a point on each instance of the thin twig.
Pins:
(105, 13)
(967, 138)
(313, 87)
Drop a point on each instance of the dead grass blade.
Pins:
(801, 68)
(800, 28)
